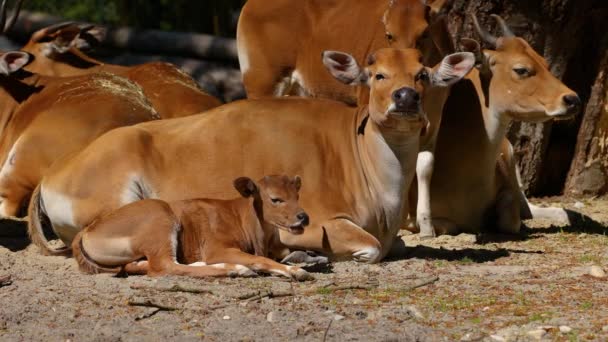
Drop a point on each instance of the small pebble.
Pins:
(537, 334)
(497, 338)
(597, 272)
(338, 317)
(226, 317)
(415, 312)
(565, 329)
(579, 205)
(270, 317)
(605, 328)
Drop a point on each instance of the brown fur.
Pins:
(241, 231)
(282, 36)
(170, 90)
(357, 161)
(44, 118)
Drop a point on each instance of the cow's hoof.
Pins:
(302, 275)
(301, 257)
(243, 271)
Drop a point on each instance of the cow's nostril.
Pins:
(303, 217)
(572, 101)
(416, 97)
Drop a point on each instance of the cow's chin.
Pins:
(295, 228)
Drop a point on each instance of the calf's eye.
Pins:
(524, 72)
(422, 76)
(380, 77)
(276, 200)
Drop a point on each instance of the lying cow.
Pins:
(474, 181)
(358, 162)
(213, 237)
(43, 118)
(56, 51)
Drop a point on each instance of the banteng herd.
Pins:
(363, 118)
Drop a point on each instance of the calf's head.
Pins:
(398, 82)
(276, 201)
(521, 84)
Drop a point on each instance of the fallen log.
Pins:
(147, 41)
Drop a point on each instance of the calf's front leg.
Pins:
(256, 263)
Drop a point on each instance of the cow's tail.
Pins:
(37, 222)
(85, 262)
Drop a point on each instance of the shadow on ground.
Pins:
(13, 234)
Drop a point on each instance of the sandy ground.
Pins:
(489, 288)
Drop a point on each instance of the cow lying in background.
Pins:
(358, 162)
(44, 118)
(213, 237)
(56, 51)
(474, 181)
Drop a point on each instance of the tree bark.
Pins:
(558, 30)
(589, 172)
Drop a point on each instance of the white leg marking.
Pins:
(424, 172)
(198, 264)
(551, 213)
(59, 209)
(369, 255)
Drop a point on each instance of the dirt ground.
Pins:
(489, 288)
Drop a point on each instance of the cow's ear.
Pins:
(13, 61)
(343, 67)
(245, 186)
(472, 46)
(435, 5)
(453, 68)
(297, 181)
(89, 37)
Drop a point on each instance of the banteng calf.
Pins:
(213, 237)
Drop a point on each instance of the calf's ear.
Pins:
(453, 68)
(343, 67)
(13, 61)
(245, 186)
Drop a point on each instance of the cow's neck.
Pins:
(496, 122)
(256, 234)
(14, 91)
(388, 161)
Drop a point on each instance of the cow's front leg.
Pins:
(339, 239)
(424, 172)
(508, 211)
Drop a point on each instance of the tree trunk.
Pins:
(589, 172)
(566, 33)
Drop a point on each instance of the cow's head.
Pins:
(415, 23)
(13, 61)
(276, 201)
(62, 38)
(398, 81)
(521, 84)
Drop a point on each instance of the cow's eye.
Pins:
(523, 72)
(423, 76)
(379, 77)
(276, 200)
(389, 36)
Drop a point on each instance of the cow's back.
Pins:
(200, 156)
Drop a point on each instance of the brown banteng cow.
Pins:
(43, 118)
(56, 51)
(279, 41)
(212, 237)
(474, 183)
(358, 162)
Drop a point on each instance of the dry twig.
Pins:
(5, 280)
(150, 304)
(174, 288)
